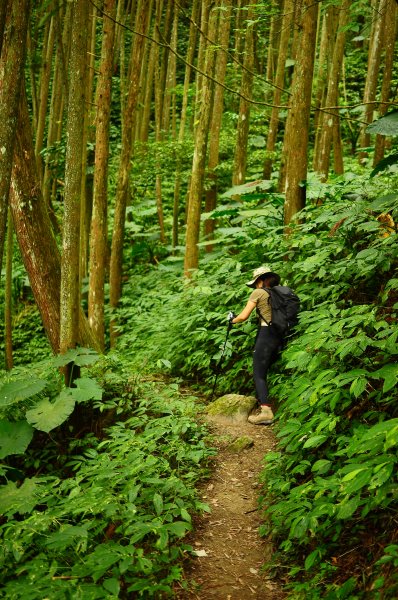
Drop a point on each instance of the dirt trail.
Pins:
(230, 552)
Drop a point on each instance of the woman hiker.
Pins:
(268, 342)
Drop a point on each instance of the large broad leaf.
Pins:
(15, 437)
(47, 415)
(387, 125)
(391, 159)
(21, 499)
(248, 188)
(15, 391)
(86, 389)
(80, 356)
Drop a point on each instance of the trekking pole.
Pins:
(229, 327)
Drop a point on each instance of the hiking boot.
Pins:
(264, 417)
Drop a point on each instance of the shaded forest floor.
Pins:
(230, 552)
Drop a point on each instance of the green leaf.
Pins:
(15, 437)
(391, 159)
(80, 356)
(21, 499)
(112, 586)
(390, 375)
(358, 386)
(178, 528)
(158, 503)
(347, 508)
(391, 438)
(47, 415)
(15, 391)
(386, 125)
(315, 441)
(358, 479)
(321, 466)
(86, 389)
(248, 188)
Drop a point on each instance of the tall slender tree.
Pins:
(242, 132)
(297, 124)
(9, 362)
(328, 119)
(99, 226)
(70, 266)
(137, 52)
(199, 158)
(12, 60)
(216, 117)
(36, 240)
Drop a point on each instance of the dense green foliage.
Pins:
(330, 489)
(100, 510)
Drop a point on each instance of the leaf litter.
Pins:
(229, 554)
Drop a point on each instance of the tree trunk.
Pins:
(183, 116)
(70, 263)
(329, 118)
(3, 12)
(35, 236)
(48, 51)
(389, 43)
(216, 118)
(328, 32)
(242, 134)
(297, 125)
(124, 166)
(9, 362)
(199, 157)
(99, 227)
(159, 104)
(12, 63)
(372, 75)
(279, 83)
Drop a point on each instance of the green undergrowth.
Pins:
(330, 493)
(99, 506)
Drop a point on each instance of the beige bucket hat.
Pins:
(264, 270)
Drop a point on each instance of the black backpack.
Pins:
(285, 306)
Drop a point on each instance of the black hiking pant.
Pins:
(266, 350)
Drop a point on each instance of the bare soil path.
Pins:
(229, 550)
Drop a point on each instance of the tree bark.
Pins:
(9, 362)
(242, 133)
(216, 117)
(389, 43)
(35, 236)
(279, 83)
(70, 263)
(328, 120)
(183, 116)
(12, 62)
(124, 166)
(199, 158)
(99, 227)
(296, 134)
(48, 51)
(372, 75)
